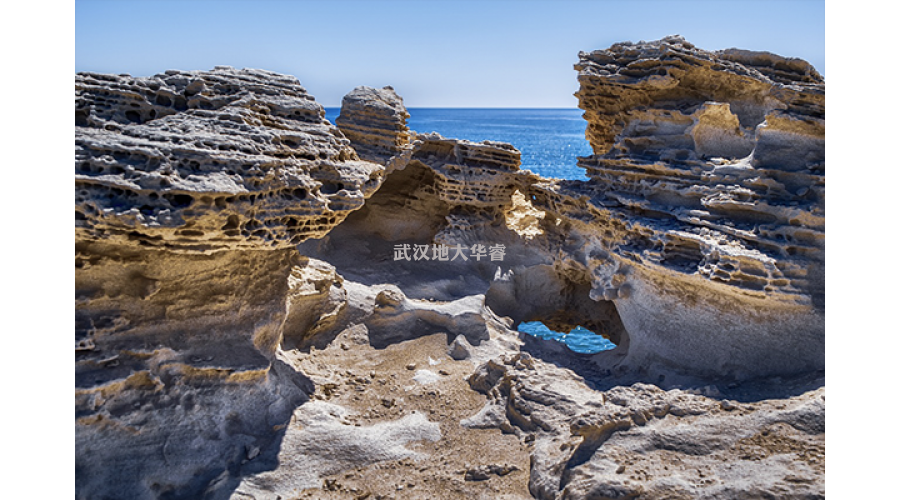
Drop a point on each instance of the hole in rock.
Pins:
(133, 116)
(330, 187)
(578, 339)
(81, 117)
(543, 303)
(232, 223)
(179, 200)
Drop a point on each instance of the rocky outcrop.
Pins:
(191, 190)
(271, 306)
(640, 441)
(715, 163)
(375, 122)
(696, 251)
(667, 98)
(205, 161)
(689, 233)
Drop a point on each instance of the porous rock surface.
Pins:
(237, 342)
(716, 160)
(191, 190)
(210, 160)
(374, 120)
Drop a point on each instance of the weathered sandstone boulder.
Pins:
(375, 122)
(714, 161)
(191, 190)
(210, 160)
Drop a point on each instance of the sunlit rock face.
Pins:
(210, 160)
(715, 161)
(375, 122)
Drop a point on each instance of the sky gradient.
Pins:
(463, 53)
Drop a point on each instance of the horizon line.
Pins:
(480, 107)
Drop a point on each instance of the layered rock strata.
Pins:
(245, 328)
(716, 163)
(692, 247)
(374, 120)
(204, 161)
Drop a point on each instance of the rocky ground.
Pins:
(519, 417)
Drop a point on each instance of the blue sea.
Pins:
(580, 339)
(550, 139)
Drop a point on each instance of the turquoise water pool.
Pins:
(580, 339)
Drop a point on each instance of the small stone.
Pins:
(411, 366)
(460, 349)
(483, 472)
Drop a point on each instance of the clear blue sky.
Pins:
(463, 53)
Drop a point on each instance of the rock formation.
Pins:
(210, 160)
(375, 121)
(641, 441)
(716, 162)
(250, 324)
(191, 190)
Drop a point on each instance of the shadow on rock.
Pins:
(191, 437)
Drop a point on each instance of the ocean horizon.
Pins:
(550, 139)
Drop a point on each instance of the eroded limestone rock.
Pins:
(688, 249)
(714, 162)
(191, 189)
(375, 122)
(640, 440)
(206, 160)
(320, 441)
